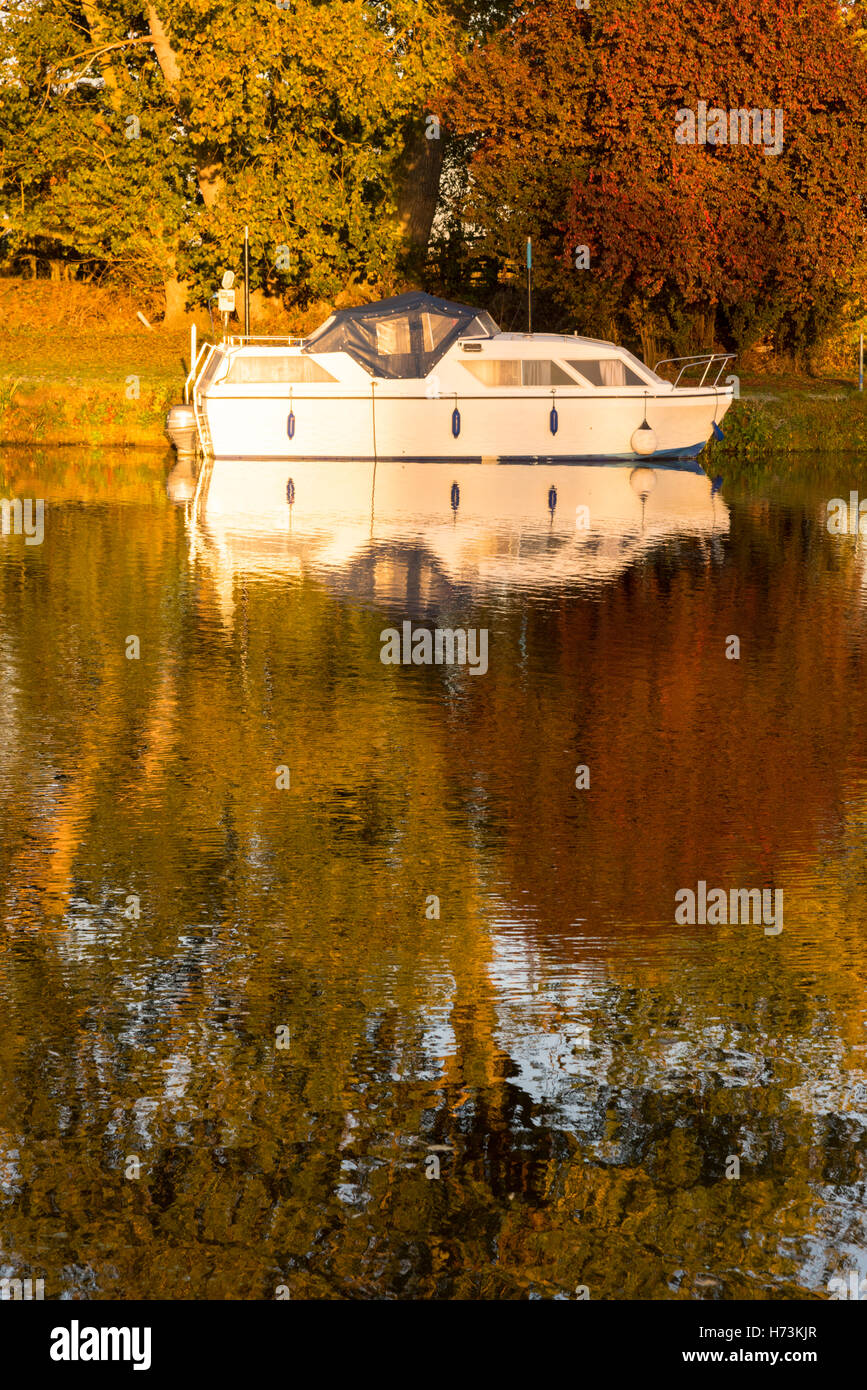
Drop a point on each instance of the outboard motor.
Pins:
(181, 429)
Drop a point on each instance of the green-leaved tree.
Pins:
(140, 140)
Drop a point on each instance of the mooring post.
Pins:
(192, 362)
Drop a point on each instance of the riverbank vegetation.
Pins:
(78, 366)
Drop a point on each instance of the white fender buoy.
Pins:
(643, 441)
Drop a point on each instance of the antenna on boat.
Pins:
(246, 282)
(529, 284)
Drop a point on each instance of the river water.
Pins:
(332, 977)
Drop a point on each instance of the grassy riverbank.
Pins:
(87, 388)
(791, 418)
(78, 367)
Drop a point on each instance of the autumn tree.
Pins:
(143, 138)
(572, 121)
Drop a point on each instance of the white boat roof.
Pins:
(558, 338)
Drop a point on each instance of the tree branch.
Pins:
(91, 54)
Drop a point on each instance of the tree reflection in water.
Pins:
(567, 1157)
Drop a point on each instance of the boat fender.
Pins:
(552, 497)
(290, 492)
(456, 422)
(644, 440)
(717, 432)
(290, 425)
(456, 497)
(554, 420)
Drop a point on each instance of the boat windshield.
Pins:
(401, 337)
(216, 360)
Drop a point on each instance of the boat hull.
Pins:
(403, 428)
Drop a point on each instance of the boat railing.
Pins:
(194, 370)
(707, 360)
(270, 340)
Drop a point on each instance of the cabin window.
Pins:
(268, 371)
(544, 374)
(607, 371)
(482, 326)
(435, 328)
(514, 372)
(493, 373)
(392, 337)
(404, 341)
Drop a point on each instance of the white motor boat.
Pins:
(420, 378)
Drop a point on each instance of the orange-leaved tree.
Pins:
(710, 158)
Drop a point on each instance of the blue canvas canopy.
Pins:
(401, 337)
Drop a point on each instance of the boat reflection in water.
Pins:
(409, 536)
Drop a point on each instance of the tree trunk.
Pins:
(175, 294)
(210, 180)
(418, 185)
(267, 311)
(208, 165)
